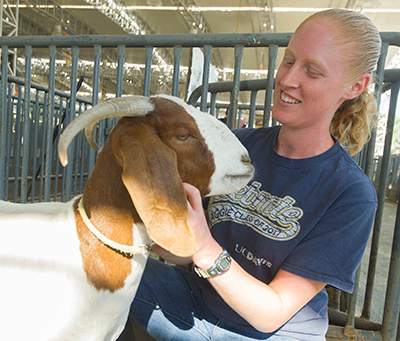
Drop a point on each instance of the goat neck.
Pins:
(110, 209)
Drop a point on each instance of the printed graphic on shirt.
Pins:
(273, 217)
(250, 256)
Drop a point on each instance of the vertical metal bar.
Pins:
(272, 53)
(85, 147)
(147, 70)
(80, 155)
(379, 213)
(351, 315)
(101, 133)
(252, 115)
(120, 70)
(17, 144)
(31, 161)
(8, 132)
(78, 159)
(95, 100)
(378, 93)
(217, 113)
(74, 77)
(239, 121)
(177, 63)
(26, 123)
(3, 118)
(39, 146)
(213, 103)
(361, 159)
(392, 301)
(64, 169)
(34, 143)
(57, 120)
(49, 118)
(206, 77)
(96, 74)
(42, 143)
(239, 49)
(63, 184)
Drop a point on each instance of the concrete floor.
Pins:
(135, 332)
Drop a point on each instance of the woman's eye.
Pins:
(288, 62)
(313, 73)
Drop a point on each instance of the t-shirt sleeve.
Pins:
(332, 251)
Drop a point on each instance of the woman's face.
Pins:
(310, 84)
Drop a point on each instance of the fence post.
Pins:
(239, 49)
(3, 119)
(392, 301)
(272, 54)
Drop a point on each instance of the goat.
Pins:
(69, 271)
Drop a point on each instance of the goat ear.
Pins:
(150, 174)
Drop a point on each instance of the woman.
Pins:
(302, 223)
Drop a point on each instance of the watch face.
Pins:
(224, 263)
(221, 265)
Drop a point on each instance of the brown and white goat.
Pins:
(69, 272)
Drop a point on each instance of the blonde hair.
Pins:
(352, 123)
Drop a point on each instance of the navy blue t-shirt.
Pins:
(311, 217)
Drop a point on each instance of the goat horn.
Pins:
(89, 129)
(118, 107)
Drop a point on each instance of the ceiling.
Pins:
(47, 17)
(222, 16)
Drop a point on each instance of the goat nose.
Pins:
(245, 159)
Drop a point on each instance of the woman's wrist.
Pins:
(206, 257)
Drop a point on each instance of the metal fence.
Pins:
(393, 180)
(33, 115)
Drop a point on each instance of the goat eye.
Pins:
(183, 137)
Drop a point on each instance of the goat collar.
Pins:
(127, 250)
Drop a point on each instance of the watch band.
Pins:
(220, 266)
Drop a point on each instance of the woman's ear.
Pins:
(358, 87)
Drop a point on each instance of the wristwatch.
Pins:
(221, 265)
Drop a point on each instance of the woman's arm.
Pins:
(265, 307)
(168, 256)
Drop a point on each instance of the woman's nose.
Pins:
(291, 77)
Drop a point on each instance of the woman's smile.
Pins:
(288, 99)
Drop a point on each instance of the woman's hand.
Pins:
(209, 249)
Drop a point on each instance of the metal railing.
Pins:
(33, 115)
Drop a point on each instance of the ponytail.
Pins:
(352, 123)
